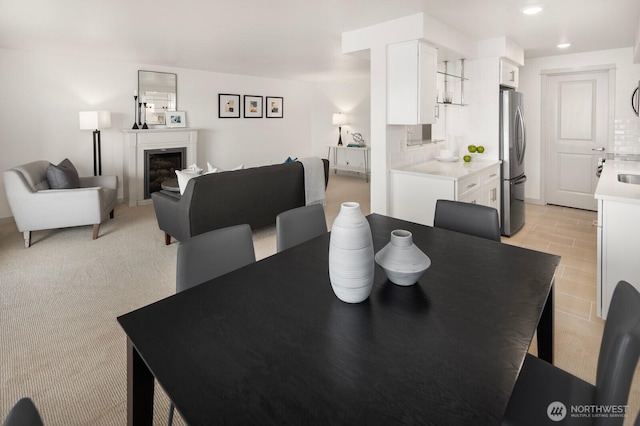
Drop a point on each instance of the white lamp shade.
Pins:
(95, 120)
(339, 119)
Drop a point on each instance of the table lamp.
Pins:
(339, 119)
(95, 120)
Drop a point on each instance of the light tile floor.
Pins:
(570, 233)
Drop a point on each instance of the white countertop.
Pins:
(446, 170)
(609, 188)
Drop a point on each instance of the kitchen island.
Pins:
(618, 230)
(416, 188)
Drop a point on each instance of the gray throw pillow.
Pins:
(63, 176)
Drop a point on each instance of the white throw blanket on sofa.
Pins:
(313, 180)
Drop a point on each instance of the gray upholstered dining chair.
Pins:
(210, 255)
(214, 253)
(540, 383)
(298, 225)
(23, 413)
(473, 219)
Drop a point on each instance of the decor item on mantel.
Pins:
(95, 120)
(158, 93)
(402, 261)
(135, 110)
(175, 119)
(144, 122)
(339, 119)
(351, 263)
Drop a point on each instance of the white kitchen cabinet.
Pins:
(618, 231)
(618, 247)
(411, 83)
(415, 189)
(482, 188)
(439, 126)
(509, 74)
(413, 196)
(491, 187)
(467, 189)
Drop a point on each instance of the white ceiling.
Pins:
(292, 39)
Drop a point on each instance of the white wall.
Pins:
(636, 49)
(477, 122)
(375, 39)
(627, 75)
(42, 95)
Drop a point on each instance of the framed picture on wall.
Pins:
(252, 106)
(228, 105)
(274, 107)
(175, 118)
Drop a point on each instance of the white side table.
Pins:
(365, 151)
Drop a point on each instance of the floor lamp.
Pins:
(95, 120)
(339, 119)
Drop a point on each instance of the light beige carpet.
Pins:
(60, 342)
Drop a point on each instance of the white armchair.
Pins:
(35, 206)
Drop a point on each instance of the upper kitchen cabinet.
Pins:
(411, 83)
(508, 74)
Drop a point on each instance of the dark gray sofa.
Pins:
(255, 196)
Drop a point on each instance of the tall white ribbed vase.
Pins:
(351, 262)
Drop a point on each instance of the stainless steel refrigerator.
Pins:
(513, 143)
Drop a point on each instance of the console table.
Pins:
(365, 151)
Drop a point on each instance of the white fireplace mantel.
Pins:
(136, 142)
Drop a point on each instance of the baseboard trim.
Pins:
(536, 201)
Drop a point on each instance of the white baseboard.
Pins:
(536, 201)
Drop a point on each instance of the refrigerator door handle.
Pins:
(520, 150)
(520, 180)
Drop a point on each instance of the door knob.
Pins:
(598, 149)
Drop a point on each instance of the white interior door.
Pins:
(577, 135)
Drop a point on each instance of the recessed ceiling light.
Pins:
(563, 45)
(532, 10)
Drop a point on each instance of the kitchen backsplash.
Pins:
(400, 154)
(626, 136)
(403, 155)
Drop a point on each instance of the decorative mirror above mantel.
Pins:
(158, 93)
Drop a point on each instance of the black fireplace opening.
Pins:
(161, 165)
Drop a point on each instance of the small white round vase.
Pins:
(351, 264)
(401, 260)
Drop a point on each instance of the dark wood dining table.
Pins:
(271, 344)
